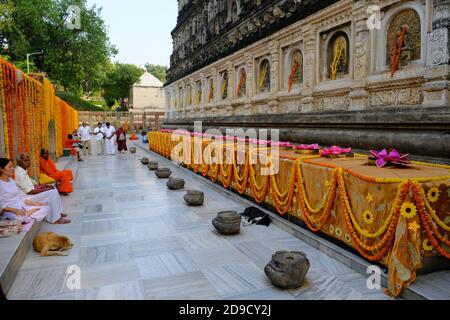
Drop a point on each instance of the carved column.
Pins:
(230, 85)
(360, 43)
(274, 79)
(249, 83)
(309, 68)
(436, 88)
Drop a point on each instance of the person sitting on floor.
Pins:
(74, 146)
(44, 194)
(13, 205)
(64, 178)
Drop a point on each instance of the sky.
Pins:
(140, 29)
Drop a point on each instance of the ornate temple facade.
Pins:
(369, 74)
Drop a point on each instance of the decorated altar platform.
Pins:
(393, 216)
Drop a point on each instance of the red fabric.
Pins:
(69, 145)
(122, 145)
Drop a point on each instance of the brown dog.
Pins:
(51, 244)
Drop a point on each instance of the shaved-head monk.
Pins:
(64, 178)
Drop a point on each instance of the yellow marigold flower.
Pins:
(369, 197)
(413, 226)
(408, 210)
(427, 246)
(338, 232)
(368, 217)
(433, 194)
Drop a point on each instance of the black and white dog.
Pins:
(256, 216)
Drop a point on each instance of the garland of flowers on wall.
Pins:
(28, 107)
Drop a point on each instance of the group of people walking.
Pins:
(105, 135)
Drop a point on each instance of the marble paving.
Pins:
(134, 239)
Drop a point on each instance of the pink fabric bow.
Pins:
(335, 150)
(308, 147)
(392, 157)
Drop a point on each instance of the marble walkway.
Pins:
(134, 239)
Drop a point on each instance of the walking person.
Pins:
(85, 134)
(110, 132)
(99, 133)
(122, 140)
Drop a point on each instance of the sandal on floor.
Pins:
(63, 221)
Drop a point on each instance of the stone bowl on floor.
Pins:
(287, 269)
(227, 222)
(145, 161)
(163, 173)
(175, 184)
(153, 165)
(133, 149)
(194, 198)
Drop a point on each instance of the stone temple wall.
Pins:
(334, 78)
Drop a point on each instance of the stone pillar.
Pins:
(436, 87)
(274, 78)
(249, 84)
(308, 68)
(230, 86)
(361, 55)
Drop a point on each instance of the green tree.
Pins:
(73, 58)
(157, 70)
(118, 81)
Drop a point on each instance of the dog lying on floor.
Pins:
(256, 216)
(50, 244)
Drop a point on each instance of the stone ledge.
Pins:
(418, 291)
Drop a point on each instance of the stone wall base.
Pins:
(415, 130)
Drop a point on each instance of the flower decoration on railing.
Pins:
(335, 151)
(392, 157)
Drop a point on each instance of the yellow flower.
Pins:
(413, 226)
(338, 232)
(433, 194)
(408, 210)
(427, 246)
(327, 182)
(368, 217)
(369, 198)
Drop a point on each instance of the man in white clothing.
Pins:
(110, 132)
(85, 134)
(45, 194)
(99, 133)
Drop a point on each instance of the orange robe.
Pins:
(64, 178)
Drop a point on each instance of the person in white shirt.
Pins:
(85, 134)
(42, 194)
(110, 132)
(13, 205)
(99, 133)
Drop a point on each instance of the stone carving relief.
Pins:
(398, 97)
(333, 103)
(438, 47)
(404, 38)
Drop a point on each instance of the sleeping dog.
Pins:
(50, 244)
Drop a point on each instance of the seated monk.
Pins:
(64, 178)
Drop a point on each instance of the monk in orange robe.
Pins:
(64, 178)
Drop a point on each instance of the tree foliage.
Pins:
(74, 59)
(119, 78)
(157, 70)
